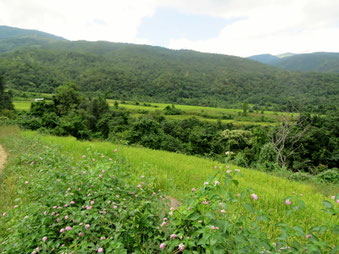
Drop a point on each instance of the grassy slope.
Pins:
(176, 174)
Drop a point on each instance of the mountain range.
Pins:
(316, 62)
(35, 61)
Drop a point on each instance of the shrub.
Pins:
(331, 175)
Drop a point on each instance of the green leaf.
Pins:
(249, 207)
(327, 204)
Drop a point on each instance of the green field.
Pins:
(177, 174)
(207, 114)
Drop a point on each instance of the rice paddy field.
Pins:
(208, 114)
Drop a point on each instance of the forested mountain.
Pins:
(314, 62)
(14, 38)
(265, 58)
(150, 73)
(317, 62)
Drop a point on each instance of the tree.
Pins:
(286, 137)
(5, 97)
(67, 98)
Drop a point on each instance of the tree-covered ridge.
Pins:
(12, 38)
(313, 62)
(157, 74)
(318, 62)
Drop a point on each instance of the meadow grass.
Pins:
(22, 105)
(177, 174)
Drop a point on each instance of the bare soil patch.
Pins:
(3, 157)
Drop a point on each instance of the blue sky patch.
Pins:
(169, 24)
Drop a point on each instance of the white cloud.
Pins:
(263, 26)
(284, 26)
(116, 20)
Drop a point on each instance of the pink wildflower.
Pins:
(254, 196)
(72, 202)
(68, 228)
(308, 236)
(100, 176)
(16, 206)
(181, 246)
(223, 211)
(87, 226)
(26, 182)
(172, 236)
(115, 150)
(215, 167)
(88, 207)
(44, 238)
(216, 183)
(58, 180)
(62, 230)
(164, 219)
(162, 246)
(92, 202)
(193, 189)
(84, 156)
(139, 186)
(66, 217)
(163, 224)
(4, 214)
(333, 197)
(229, 171)
(205, 183)
(81, 234)
(102, 238)
(115, 207)
(100, 250)
(102, 171)
(288, 202)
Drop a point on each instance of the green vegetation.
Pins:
(302, 144)
(313, 62)
(261, 214)
(154, 74)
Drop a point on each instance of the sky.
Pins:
(233, 27)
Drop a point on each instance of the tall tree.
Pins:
(5, 97)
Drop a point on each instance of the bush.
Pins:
(330, 176)
(300, 176)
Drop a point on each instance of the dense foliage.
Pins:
(139, 72)
(313, 62)
(5, 97)
(310, 143)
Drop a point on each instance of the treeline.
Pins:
(154, 74)
(310, 143)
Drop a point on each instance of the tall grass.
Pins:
(177, 174)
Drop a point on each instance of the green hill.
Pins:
(317, 62)
(314, 62)
(155, 74)
(14, 38)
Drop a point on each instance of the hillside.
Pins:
(317, 62)
(13, 38)
(265, 58)
(98, 197)
(147, 73)
(314, 62)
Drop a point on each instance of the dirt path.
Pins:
(3, 157)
